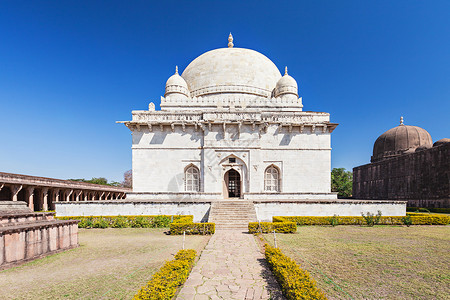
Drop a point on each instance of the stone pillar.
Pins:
(101, 196)
(44, 198)
(77, 195)
(86, 194)
(57, 195)
(15, 189)
(68, 195)
(30, 196)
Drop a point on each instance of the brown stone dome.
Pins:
(399, 140)
(441, 142)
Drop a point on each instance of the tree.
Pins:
(128, 179)
(95, 180)
(342, 182)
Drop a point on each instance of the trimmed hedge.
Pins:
(165, 282)
(441, 210)
(140, 221)
(268, 227)
(184, 219)
(416, 219)
(295, 282)
(192, 228)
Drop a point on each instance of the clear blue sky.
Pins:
(70, 69)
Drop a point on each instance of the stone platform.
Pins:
(27, 235)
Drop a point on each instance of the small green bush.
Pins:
(100, 223)
(295, 282)
(269, 227)
(86, 223)
(119, 222)
(372, 219)
(407, 220)
(192, 228)
(140, 222)
(161, 221)
(166, 281)
(334, 220)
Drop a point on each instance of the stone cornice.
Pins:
(300, 120)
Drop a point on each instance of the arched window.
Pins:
(272, 179)
(192, 179)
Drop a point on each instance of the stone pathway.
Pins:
(231, 267)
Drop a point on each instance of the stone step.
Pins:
(232, 215)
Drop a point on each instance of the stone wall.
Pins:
(265, 210)
(421, 178)
(200, 210)
(26, 242)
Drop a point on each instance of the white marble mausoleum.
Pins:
(231, 126)
(231, 144)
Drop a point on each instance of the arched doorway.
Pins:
(233, 183)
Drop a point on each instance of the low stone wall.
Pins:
(199, 209)
(265, 210)
(290, 196)
(25, 242)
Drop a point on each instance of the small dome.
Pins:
(423, 147)
(286, 85)
(441, 142)
(400, 140)
(176, 85)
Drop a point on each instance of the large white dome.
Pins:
(231, 70)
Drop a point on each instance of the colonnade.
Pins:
(45, 192)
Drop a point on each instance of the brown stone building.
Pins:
(406, 165)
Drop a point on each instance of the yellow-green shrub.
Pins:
(416, 219)
(268, 227)
(166, 281)
(192, 228)
(295, 282)
(140, 221)
(184, 219)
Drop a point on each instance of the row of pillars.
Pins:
(43, 198)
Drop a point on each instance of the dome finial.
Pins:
(285, 70)
(230, 41)
(176, 70)
(401, 120)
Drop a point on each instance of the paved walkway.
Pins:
(231, 267)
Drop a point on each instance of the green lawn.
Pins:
(109, 264)
(381, 262)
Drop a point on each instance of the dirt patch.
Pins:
(109, 264)
(381, 262)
